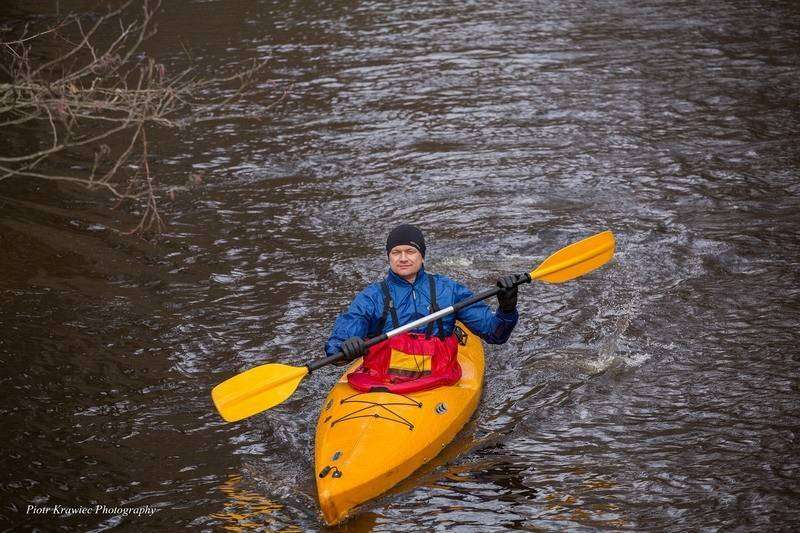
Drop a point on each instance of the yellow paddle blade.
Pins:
(256, 390)
(576, 259)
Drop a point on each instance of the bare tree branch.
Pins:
(92, 97)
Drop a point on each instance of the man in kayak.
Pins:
(428, 354)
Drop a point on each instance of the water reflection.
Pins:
(247, 510)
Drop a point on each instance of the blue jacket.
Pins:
(412, 301)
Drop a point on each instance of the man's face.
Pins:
(405, 261)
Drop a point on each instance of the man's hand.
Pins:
(507, 297)
(353, 348)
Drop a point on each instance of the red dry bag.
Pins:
(407, 363)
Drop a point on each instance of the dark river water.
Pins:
(659, 393)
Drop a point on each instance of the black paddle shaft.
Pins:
(455, 308)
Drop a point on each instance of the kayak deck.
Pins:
(368, 442)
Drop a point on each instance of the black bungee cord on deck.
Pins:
(386, 406)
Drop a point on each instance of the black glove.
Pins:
(507, 297)
(353, 348)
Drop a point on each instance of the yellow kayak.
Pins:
(368, 442)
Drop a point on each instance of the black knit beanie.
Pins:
(408, 235)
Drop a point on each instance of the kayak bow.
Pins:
(368, 442)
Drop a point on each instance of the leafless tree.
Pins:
(92, 96)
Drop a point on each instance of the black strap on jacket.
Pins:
(434, 308)
(388, 306)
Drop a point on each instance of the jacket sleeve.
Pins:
(494, 328)
(354, 323)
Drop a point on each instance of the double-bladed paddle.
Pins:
(265, 386)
